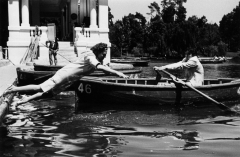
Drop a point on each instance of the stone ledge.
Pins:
(4, 62)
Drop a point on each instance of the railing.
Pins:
(85, 33)
(33, 50)
(3, 53)
(35, 32)
(90, 34)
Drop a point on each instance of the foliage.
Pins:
(229, 29)
(211, 50)
(137, 51)
(115, 51)
(110, 17)
(222, 49)
(169, 33)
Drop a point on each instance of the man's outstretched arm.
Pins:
(107, 69)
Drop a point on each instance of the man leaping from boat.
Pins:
(64, 77)
(194, 72)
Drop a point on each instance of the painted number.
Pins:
(87, 88)
(80, 88)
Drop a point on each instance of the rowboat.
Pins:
(26, 76)
(41, 67)
(135, 63)
(148, 91)
(211, 61)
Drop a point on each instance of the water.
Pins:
(52, 128)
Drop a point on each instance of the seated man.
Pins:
(194, 72)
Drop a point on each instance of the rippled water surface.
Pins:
(52, 128)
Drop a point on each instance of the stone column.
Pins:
(63, 24)
(66, 13)
(93, 14)
(103, 14)
(25, 13)
(13, 13)
(103, 26)
(1, 53)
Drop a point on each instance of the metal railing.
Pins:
(33, 50)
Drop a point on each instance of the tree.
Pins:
(116, 35)
(156, 36)
(110, 17)
(222, 49)
(168, 14)
(229, 29)
(181, 14)
(154, 9)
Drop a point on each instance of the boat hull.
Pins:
(94, 91)
(38, 67)
(211, 62)
(135, 63)
(26, 77)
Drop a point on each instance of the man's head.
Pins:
(100, 50)
(190, 53)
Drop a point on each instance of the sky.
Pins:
(214, 10)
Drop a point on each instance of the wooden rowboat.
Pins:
(39, 67)
(26, 77)
(149, 91)
(135, 63)
(207, 61)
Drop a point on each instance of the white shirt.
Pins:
(74, 71)
(194, 71)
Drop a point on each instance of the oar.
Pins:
(44, 76)
(178, 88)
(177, 80)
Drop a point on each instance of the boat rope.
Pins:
(58, 54)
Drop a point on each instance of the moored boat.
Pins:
(135, 63)
(207, 61)
(26, 76)
(41, 67)
(148, 91)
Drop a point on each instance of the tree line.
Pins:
(169, 34)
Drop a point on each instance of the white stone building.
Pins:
(24, 15)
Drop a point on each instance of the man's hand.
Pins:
(238, 91)
(158, 68)
(122, 75)
(176, 80)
